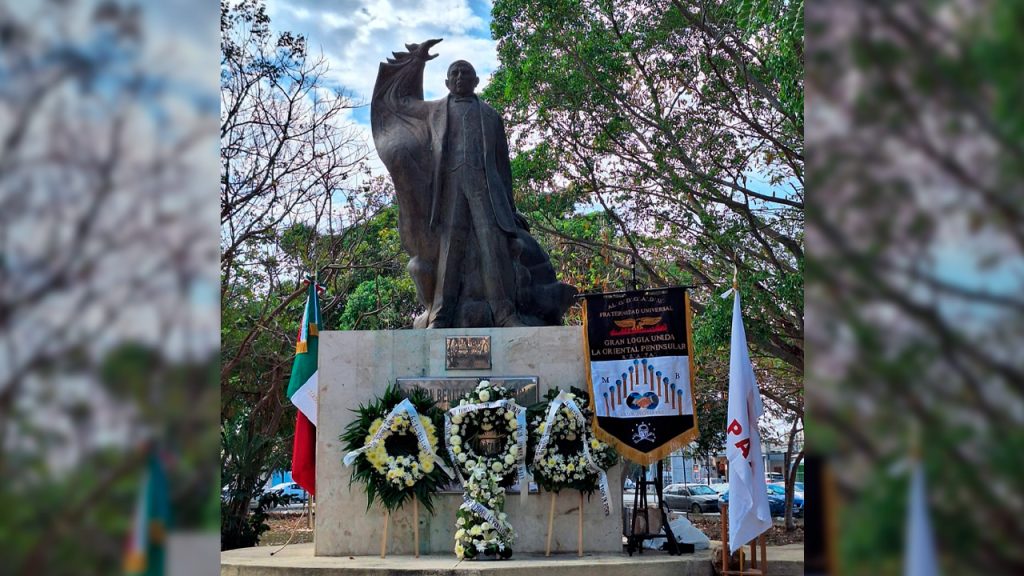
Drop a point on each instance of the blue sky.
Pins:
(356, 35)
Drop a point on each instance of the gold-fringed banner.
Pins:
(640, 371)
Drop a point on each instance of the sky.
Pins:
(356, 35)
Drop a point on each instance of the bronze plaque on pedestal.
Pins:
(467, 353)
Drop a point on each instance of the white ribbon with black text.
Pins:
(403, 407)
(560, 401)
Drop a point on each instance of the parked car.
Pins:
(289, 490)
(776, 504)
(774, 477)
(798, 498)
(696, 498)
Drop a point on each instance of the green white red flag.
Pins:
(302, 390)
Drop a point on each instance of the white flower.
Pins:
(509, 459)
(455, 429)
(457, 449)
(456, 419)
(462, 458)
(514, 450)
(460, 533)
(460, 522)
(483, 384)
(485, 395)
(485, 526)
(497, 467)
(455, 440)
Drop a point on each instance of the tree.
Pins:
(296, 200)
(102, 252)
(680, 149)
(919, 310)
(666, 118)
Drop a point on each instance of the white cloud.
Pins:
(356, 35)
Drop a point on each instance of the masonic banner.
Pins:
(639, 371)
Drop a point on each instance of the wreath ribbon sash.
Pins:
(487, 514)
(560, 401)
(406, 407)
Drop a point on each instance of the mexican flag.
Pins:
(302, 391)
(145, 554)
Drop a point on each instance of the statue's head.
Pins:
(461, 80)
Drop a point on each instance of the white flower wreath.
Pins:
(482, 528)
(464, 426)
(566, 453)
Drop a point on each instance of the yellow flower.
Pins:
(376, 425)
(428, 466)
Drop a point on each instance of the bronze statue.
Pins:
(473, 260)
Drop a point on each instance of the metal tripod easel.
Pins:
(634, 542)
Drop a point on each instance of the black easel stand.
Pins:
(635, 541)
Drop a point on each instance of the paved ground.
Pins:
(298, 559)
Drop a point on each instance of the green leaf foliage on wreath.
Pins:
(377, 486)
(567, 445)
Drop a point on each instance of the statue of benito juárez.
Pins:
(473, 260)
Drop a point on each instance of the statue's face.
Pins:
(461, 80)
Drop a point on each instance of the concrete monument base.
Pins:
(356, 366)
(298, 560)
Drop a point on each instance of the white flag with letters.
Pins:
(920, 558)
(749, 514)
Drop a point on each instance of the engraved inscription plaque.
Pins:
(467, 353)
(444, 391)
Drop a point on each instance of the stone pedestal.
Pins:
(356, 366)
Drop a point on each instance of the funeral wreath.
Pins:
(486, 439)
(564, 453)
(394, 447)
